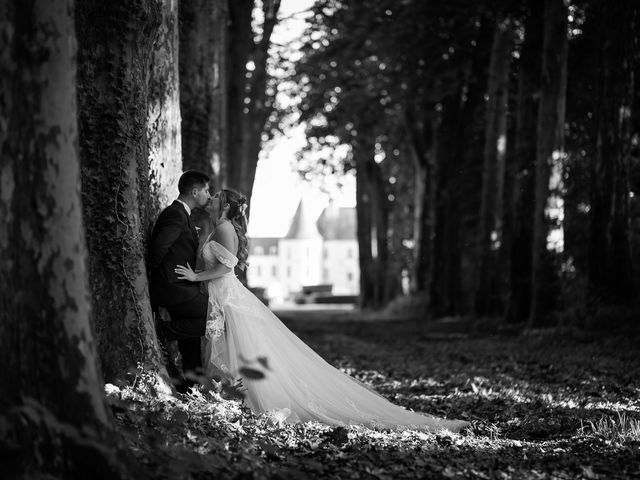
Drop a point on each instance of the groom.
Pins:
(174, 241)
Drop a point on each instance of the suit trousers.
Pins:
(187, 325)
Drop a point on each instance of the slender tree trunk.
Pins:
(203, 85)
(239, 45)
(421, 135)
(426, 262)
(488, 295)
(400, 220)
(461, 136)
(363, 155)
(250, 103)
(419, 192)
(549, 142)
(611, 278)
(114, 63)
(446, 240)
(261, 99)
(524, 168)
(380, 214)
(508, 218)
(50, 387)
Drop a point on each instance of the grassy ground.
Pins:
(552, 404)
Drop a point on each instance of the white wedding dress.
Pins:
(298, 385)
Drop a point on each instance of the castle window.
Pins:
(274, 271)
(258, 250)
(273, 250)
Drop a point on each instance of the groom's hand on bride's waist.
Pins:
(186, 273)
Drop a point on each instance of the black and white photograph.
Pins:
(319, 239)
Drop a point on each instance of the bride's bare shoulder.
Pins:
(224, 225)
(225, 235)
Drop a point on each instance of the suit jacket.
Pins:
(174, 241)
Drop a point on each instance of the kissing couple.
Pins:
(219, 330)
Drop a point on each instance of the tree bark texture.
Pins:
(163, 121)
(115, 58)
(549, 134)
(203, 85)
(488, 295)
(610, 271)
(50, 388)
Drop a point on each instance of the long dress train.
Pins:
(298, 385)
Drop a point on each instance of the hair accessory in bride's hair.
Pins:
(242, 205)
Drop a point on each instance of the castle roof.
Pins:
(303, 225)
(338, 223)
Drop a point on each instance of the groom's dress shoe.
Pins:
(172, 370)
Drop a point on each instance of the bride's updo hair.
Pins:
(237, 206)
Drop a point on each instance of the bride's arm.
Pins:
(217, 271)
(223, 236)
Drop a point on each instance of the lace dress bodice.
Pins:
(220, 290)
(213, 252)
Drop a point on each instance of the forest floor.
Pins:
(554, 404)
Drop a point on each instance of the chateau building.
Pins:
(313, 252)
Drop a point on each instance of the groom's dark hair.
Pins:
(191, 179)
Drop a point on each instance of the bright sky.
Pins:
(278, 188)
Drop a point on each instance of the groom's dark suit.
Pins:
(174, 241)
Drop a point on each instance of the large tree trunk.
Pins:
(549, 143)
(521, 243)
(163, 124)
(115, 56)
(50, 387)
(611, 280)
(203, 85)
(488, 297)
(249, 103)
(461, 135)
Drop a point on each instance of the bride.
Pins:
(297, 383)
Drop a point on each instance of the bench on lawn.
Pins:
(322, 294)
(309, 293)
